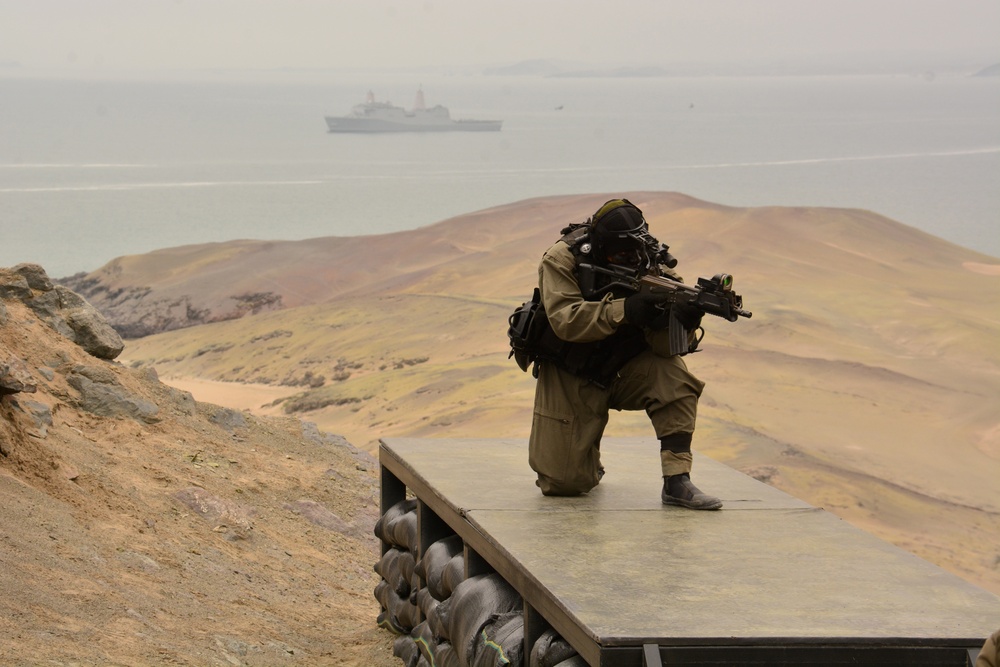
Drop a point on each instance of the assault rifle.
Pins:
(714, 296)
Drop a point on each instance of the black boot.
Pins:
(680, 490)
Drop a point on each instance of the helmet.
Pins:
(619, 235)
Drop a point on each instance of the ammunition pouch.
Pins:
(532, 341)
(531, 336)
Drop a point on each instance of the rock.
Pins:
(102, 395)
(319, 515)
(184, 400)
(68, 313)
(228, 419)
(13, 286)
(35, 275)
(234, 517)
(62, 309)
(96, 373)
(15, 377)
(40, 414)
(94, 334)
(3, 314)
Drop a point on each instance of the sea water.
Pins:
(92, 170)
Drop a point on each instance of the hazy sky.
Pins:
(107, 35)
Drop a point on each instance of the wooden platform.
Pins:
(768, 579)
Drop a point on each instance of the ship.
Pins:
(375, 116)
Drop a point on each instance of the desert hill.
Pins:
(865, 383)
(138, 526)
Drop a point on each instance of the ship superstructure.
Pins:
(374, 116)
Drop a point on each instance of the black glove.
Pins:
(689, 316)
(642, 308)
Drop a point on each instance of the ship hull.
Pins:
(349, 124)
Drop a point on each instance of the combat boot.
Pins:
(680, 490)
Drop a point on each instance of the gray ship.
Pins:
(375, 116)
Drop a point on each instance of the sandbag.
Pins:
(471, 605)
(397, 615)
(415, 586)
(428, 607)
(425, 640)
(398, 526)
(393, 568)
(550, 650)
(405, 565)
(445, 656)
(452, 575)
(501, 642)
(406, 650)
(432, 564)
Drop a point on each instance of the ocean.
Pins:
(92, 170)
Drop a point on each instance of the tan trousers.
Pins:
(571, 413)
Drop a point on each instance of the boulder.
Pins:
(102, 395)
(35, 275)
(69, 313)
(61, 308)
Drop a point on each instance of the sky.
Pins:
(103, 36)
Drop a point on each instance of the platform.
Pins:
(769, 579)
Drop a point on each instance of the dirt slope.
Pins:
(196, 535)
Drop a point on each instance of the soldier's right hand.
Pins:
(642, 308)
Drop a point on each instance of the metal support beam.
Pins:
(392, 491)
(535, 626)
(651, 656)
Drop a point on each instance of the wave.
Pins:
(846, 158)
(148, 186)
(76, 165)
(467, 171)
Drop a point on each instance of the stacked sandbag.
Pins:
(551, 650)
(470, 614)
(444, 619)
(442, 567)
(396, 591)
(440, 570)
(502, 640)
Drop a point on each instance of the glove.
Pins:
(642, 308)
(688, 316)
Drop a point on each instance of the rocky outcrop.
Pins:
(62, 309)
(138, 311)
(103, 395)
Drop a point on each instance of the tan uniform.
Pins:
(571, 413)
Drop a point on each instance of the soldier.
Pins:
(611, 354)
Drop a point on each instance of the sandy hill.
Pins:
(140, 527)
(865, 383)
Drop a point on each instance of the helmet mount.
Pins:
(620, 236)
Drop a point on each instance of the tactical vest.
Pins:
(533, 341)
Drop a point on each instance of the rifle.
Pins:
(714, 296)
